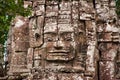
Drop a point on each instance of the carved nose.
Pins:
(58, 45)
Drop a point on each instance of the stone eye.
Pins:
(68, 39)
(49, 39)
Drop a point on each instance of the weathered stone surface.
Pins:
(18, 47)
(66, 40)
(35, 31)
(30, 58)
(20, 34)
(107, 70)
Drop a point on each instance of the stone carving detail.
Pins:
(66, 40)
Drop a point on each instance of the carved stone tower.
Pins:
(65, 40)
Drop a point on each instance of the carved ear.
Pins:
(82, 33)
(80, 37)
(36, 31)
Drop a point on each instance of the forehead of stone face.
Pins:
(65, 28)
(50, 28)
(50, 25)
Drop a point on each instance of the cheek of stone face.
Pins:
(69, 46)
(49, 46)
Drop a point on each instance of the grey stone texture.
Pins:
(65, 40)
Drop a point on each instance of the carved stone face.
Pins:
(59, 42)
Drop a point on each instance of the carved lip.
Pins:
(59, 53)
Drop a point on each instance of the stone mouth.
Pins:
(59, 53)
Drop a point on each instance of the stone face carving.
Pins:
(66, 40)
(59, 42)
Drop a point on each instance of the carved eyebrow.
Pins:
(50, 32)
(66, 32)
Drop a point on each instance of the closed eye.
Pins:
(49, 36)
(67, 36)
(68, 39)
(49, 39)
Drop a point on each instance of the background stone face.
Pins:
(65, 40)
